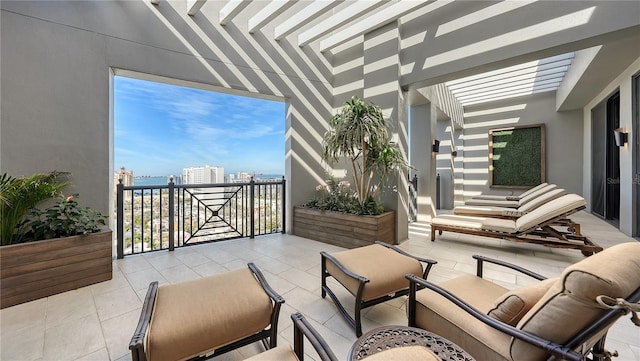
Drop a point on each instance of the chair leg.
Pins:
(323, 266)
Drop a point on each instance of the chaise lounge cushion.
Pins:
(510, 307)
(550, 210)
(570, 304)
(383, 267)
(193, 317)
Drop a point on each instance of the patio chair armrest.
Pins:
(481, 259)
(136, 345)
(265, 285)
(342, 268)
(277, 303)
(429, 262)
(302, 327)
(555, 349)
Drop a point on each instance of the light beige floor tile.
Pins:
(164, 260)
(69, 306)
(118, 281)
(27, 315)
(131, 264)
(118, 332)
(100, 355)
(141, 279)
(193, 258)
(302, 279)
(24, 344)
(179, 273)
(116, 303)
(73, 339)
(209, 268)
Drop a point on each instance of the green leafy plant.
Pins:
(337, 196)
(360, 133)
(63, 219)
(19, 195)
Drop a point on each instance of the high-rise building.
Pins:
(244, 176)
(125, 175)
(203, 175)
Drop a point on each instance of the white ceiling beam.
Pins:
(300, 19)
(193, 6)
(381, 18)
(231, 10)
(268, 13)
(337, 20)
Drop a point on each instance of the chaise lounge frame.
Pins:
(268, 336)
(543, 234)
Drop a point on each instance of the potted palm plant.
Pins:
(359, 134)
(51, 250)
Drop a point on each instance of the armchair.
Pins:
(558, 318)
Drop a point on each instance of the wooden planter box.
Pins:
(344, 230)
(33, 270)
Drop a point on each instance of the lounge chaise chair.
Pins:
(562, 318)
(505, 212)
(500, 197)
(538, 226)
(512, 202)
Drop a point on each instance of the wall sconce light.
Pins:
(620, 136)
(436, 146)
(454, 154)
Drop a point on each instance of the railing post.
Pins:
(252, 185)
(284, 205)
(120, 220)
(171, 215)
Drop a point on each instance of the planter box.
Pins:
(344, 230)
(33, 270)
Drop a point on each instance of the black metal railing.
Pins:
(151, 218)
(413, 199)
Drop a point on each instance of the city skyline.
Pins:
(159, 129)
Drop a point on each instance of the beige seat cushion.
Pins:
(543, 199)
(408, 353)
(493, 202)
(510, 307)
(383, 267)
(436, 314)
(537, 193)
(570, 304)
(193, 317)
(549, 211)
(280, 353)
(477, 223)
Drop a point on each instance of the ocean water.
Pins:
(151, 181)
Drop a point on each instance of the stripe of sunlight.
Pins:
(530, 74)
(233, 67)
(389, 14)
(548, 27)
(481, 15)
(268, 13)
(184, 41)
(535, 91)
(336, 20)
(476, 159)
(301, 19)
(382, 88)
(314, 133)
(231, 9)
(491, 123)
(496, 86)
(346, 66)
(280, 73)
(543, 64)
(466, 137)
(349, 88)
(468, 182)
(475, 171)
(473, 148)
(495, 110)
(509, 90)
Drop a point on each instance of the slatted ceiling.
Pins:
(355, 18)
(529, 78)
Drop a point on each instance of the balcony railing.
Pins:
(151, 218)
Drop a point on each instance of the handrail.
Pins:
(161, 217)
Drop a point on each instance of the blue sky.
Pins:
(162, 128)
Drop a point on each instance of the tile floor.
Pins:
(96, 322)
